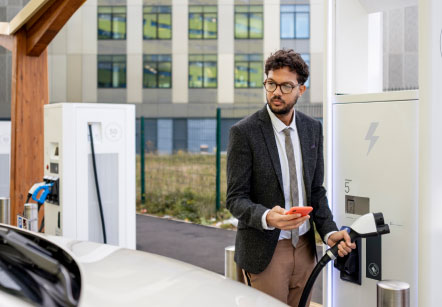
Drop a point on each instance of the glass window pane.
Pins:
(241, 57)
(150, 26)
(287, 25)
(255, 57)
(195, 25)
(119, 58)
(195, 57)
(210, 74)
(104, 74)
(241, 8)
(210, 57)
(104, 9)
(119, 75)
(241, 25)
(195, 74)
(256, 8)
(256, 24)
(241, 74)
(148, 58)
(210, 9)
(195, 9)
(302, 25)
(165, 75)
(210, 26)
(148, 9)
(164, 9)
(119, 10)
(104, 26)
(104, 58)
(164, 58)
(287, 8)
(164, 26)
(150, 75)
(302, 8)
(256, 74)
(119, 26)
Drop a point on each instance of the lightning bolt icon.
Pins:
(371, 137)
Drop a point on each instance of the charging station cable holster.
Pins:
(350, 265)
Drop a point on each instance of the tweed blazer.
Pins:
(254, 184)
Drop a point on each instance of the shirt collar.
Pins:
(277, 124)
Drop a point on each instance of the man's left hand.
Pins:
(345, 247)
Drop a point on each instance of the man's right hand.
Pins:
(277, 218)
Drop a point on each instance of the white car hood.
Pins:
(114, 276)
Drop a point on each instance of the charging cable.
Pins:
(103, 226)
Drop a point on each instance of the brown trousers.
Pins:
(288, 271)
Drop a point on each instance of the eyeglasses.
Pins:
(286, 88)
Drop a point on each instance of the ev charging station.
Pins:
(382, 149)
(73, 209)
(5, 157)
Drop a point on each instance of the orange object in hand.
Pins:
(301, 210)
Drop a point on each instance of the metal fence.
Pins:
(184, 160)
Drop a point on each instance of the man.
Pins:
(275, 161)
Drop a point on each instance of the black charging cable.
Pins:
(330, 254)
(103, 226)
(311, 281)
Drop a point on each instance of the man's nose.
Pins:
(278, 90)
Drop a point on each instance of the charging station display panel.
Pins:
(375, 167)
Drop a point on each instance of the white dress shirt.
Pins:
(278, 127)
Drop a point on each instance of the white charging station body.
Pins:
(375, 169)
(67, 155)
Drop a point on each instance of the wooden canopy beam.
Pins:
(6, 41)
(41, 33)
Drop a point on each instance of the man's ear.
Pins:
(302, 89)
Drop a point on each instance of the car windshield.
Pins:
(37, 270)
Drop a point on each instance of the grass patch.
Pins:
(182, 185)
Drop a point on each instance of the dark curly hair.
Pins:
(292, 60)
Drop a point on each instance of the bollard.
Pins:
(31, 214)
(231, 270)
(391, 293)
(229, 263)
(4, 211)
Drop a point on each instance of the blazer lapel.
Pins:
(269, 137)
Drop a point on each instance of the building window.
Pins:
(203, 71)
(248, 21)
(203, 22)
(157, 71)
(295, 21)
(111, 22)
(306, 58)
(157, 22)
(248, 71)
(111, 71)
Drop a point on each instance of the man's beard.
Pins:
(285, 108)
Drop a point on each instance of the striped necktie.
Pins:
(294, 195)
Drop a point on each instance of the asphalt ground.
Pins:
(199, 245)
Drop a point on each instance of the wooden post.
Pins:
(29, 88)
